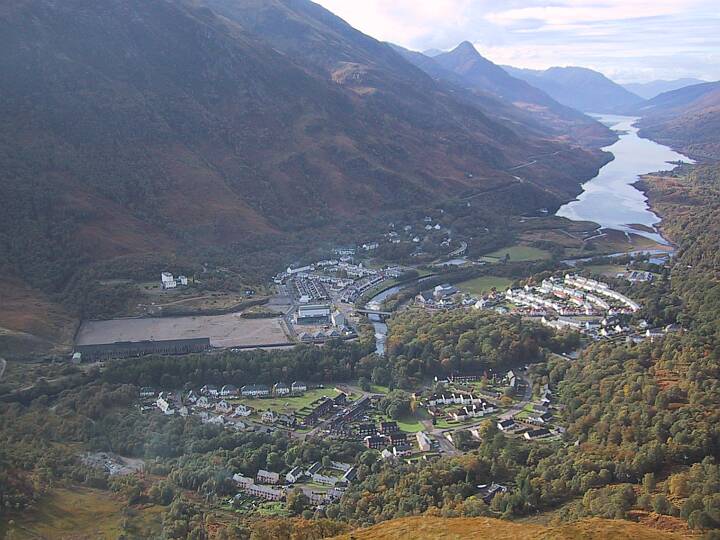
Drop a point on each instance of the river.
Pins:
(381, 329)
(610, 199)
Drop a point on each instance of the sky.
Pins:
(627, 40)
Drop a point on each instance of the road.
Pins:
(520, 405)
(459, 251)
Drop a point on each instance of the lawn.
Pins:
(608, 270)
(378, 389)
(485, 284)
(412, 424)
(519, 253)
(273, 509)
(287, 404)
(409, 424)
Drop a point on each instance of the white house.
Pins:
(269, 417)
(223, 407)
(209, 390)
(296, 474)
(229, 390)
(443, 291)
(281, 389)
(423, 441)
(267, 477)
(203, 403)
(167, 280)
(164, 405)
(255, 390)
(242, 410)
(242, 480)
(506, 425)
(264, 492)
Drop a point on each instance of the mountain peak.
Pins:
(467, 48)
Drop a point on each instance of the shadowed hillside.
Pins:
(687, 119)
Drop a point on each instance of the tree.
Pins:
(661, 505)
(649, 482)
(297, 501)
(380, 376)
(364, 383)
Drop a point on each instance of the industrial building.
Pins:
(132, 349)
(313, 313)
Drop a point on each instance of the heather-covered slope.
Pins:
(422, 528)
(687, 119)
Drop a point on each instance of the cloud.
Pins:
(401, 21)
(626, 39)
(580, 12)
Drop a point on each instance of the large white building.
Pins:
(313, 312)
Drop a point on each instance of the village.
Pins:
(570, 303)
(448, 416)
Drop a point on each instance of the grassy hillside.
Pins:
(78, 514)
(421, 528)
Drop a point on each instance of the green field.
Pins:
(378, 389)
(518, 253)
(287, 404)
(609, 270)
(409, 424)
(485, 284)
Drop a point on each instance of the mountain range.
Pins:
(480, 80)
(136, 130)
(649, 90)
(580, 88)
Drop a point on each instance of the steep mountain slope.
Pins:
(687, 119)
(479, 74)
(580, 88)
(469, 528)
(652, 89)
(142, 129)
(674, 102)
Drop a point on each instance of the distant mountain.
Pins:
(687, 119)
(580, 88)
(432, 53)
(651, 89)
(465, 68)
